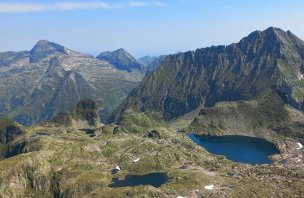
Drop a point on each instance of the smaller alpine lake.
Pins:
(243, 149)
(152, 179)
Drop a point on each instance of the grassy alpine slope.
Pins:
(59, 161)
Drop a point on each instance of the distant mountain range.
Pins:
(122, 60)
(37, 84)
(261, 62)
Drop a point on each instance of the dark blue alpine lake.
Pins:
(243, 149)
(152, 179)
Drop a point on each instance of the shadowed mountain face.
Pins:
(83, 115)
(122, 60)
(37, 84)
(262, 61)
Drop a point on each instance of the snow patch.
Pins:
(136, 160)
(181, 197)
(299, 145)
(118, 168)
(210, 187)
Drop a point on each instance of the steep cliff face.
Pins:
(263, 61)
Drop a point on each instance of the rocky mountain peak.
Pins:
(271, 41)
(122, 60)
(43, 48)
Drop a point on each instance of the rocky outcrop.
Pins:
(153, 134)
(84, 115)
(88, 110)
(8, 131)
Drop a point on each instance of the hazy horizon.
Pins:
(141, 27)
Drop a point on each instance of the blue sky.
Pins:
(142, 27)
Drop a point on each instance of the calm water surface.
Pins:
(248, 150)
(152, 179)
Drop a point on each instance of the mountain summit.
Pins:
(122, 60)
(44, 48)
(263, 61)
(272, 40)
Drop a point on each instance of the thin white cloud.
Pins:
(22, 7)
(65, 6)
(86, 6)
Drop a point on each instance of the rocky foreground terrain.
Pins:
(61, 159)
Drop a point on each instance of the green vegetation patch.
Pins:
(285, 69)
(4, 122)
(298, 94)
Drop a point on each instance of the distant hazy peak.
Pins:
(47, 46)
(43, 48)
(116, 53)
(121, 59)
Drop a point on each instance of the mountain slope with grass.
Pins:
(57, 160)
(263, 61)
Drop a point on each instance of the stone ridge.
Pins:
(263, 61)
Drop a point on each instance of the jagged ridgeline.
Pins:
(263, 61)
(37, 84)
